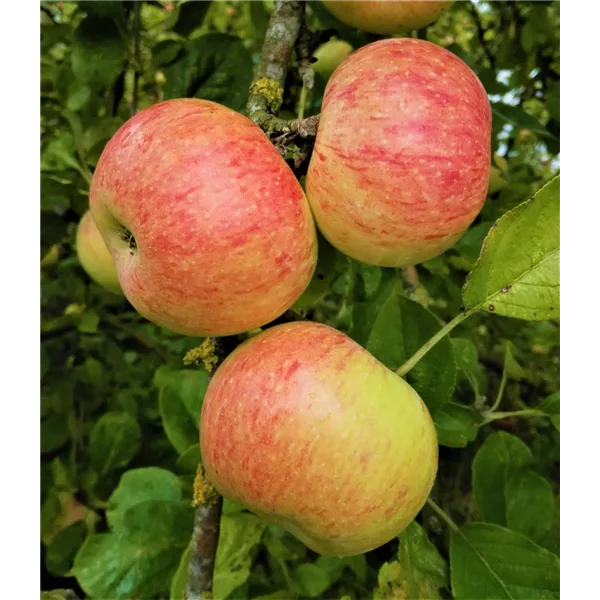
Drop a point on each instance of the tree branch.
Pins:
(266, 92)
(481, 35)
(207, 520)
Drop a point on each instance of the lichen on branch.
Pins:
(266, 92)
(205, 538)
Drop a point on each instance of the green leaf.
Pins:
(58, 595)
(516, 116)
(189, 460)
(282, 545)
(63, 548)
(259, 18)
(393, 328)
(99, 52)
(54, 433)
(456, 425)
(419, 572)
(100, 131)
(138, 559)
(55, 193)
(139, 485)
(320, 283)
(467, 362)
(311, 580)
(335, 565)
(511, 366)
(551, 406)
(469, 245)
(105, 9)
(88, 322)
(517, 273)
(115, 439)
(215, 67)
(240, 533)
(500, 455)
(529, 504)
(191, 16)
(59, 153)
(180, 578)
(180, 400)
(78, 97)
(488, 561)
(551, 540)
(165, 52)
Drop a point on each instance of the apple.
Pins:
(210, 230)
(307, 429)
(94, 255)
(401, 161)
(387, 17)
(329, 55)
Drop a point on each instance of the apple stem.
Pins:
(495, 416)
(429, 344)
(440, 512)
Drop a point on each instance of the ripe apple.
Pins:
(308, 430)
(387, 17)
(209, 228)
(401, 161)
(329, 55)
(94, 255)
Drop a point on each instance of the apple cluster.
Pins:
(211, 234)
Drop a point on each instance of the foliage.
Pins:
(119, 409)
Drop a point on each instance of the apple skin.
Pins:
(305, 428)
(94, 255)
(401, 161)
(329, 55)
(387, 17)
(224, 238)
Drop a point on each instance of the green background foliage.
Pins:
(120, 410)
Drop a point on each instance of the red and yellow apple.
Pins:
(307, 429)
(401, 161)
(209, 228)
(387, 17)
(94, 255)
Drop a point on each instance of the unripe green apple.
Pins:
(94, 255)
(329, 55)
(387, 17)
(305, 428)
(497, 182)
(209, 228)
(401, 161)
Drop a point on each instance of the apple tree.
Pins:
(465, 327)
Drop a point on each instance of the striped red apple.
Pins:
(209, 228)
(401, 161)
(304, 427)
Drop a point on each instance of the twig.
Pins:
(491, 416)
(481, 35)
(266, 92)
(134, 334)
(440, 512)
(136, 56)
(304, 56)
